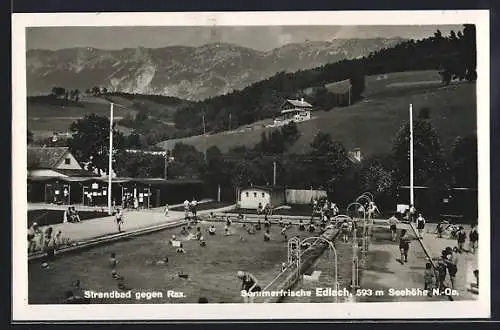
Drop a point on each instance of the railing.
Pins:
(291, 274)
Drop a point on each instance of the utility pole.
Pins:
(166, 164)
(110, 161)
(412, 196)
(204, 137)
(274, 173)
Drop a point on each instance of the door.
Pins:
(158, 200)
(49, 193)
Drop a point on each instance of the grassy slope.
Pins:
(46, 116)
(372, 123)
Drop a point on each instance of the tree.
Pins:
(96, 90)
(430, 167)
(329, 161)
(424, 113)
(464, 165)
(188, 162)
(90, 140)
(104, 90)
(29, 137)
(133, 141)
(58, 91)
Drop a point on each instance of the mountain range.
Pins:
(192, 73)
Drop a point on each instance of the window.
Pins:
(263, 195)
(246, 193)
(67, 161)
(254, 194)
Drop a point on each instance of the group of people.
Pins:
(447, 264)
(190, 207)
(264, 209)
(458, 233)
(324, 209)
(46, 241)
(71, 215)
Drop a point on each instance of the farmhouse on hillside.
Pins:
(251, 197)
(354, 155)
(294, 111)
(342, 89)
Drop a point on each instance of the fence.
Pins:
(295, 196)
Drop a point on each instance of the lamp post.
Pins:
(110, 161)
(412, 196)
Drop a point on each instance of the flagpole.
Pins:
(110, 162)
(411, 157)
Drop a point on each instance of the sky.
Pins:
(261, 38)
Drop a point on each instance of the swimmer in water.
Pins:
(259, 225)
(226, 231)
(162, 261)
(283, 233)
(113, 262)
(301, 226)
(280, 222)
(202, 242)
(267, 223)
(184, 231)
(211, 230)
(267, 236)
(180, 249)
(251, 230)
(248, 284)
(198, 235)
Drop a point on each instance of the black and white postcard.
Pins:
(251, 165)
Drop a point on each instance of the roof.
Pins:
(46, 157)
(114, 180)
(265, 188)
(76, 173)
(293, 110)
(300, 103)
(339, 87)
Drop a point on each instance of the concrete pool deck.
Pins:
(104, 229)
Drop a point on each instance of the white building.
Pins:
(251, 197)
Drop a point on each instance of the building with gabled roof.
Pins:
(294, 111)
(54, 162)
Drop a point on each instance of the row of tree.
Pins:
(326, 166)
(67, 94)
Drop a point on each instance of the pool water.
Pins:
(211, 270)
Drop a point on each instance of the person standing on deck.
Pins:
(420, 225)
(411, 213)
(393, 221)
(473, 239)
(119, 219)
(461, 238)
(186, 209)
(404, 245)
(194, 207)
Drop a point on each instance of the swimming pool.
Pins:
(211, 269)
